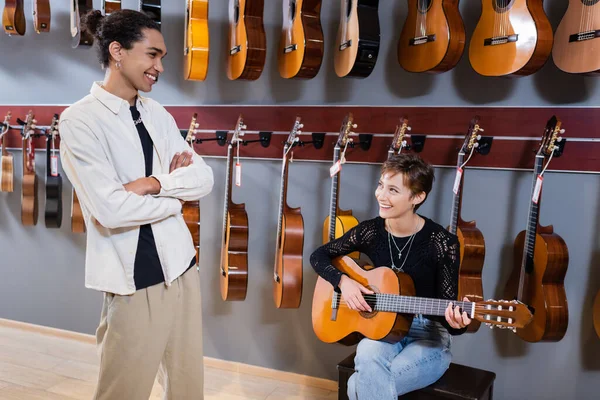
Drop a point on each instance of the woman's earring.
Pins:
(118, 64)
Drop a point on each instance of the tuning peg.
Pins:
(562, 131)
(558, 139)
(196, 125)
(408, 128)
(243, 127)
(478, 137)
(481, 129)
(300, 126)
(299, 133)
(475, 144)
(354, 126)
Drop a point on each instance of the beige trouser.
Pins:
(156, 326)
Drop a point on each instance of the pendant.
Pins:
(400, 255)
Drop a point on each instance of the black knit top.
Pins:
(432, 262)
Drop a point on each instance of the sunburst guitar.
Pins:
(433, 36)
(512, 38)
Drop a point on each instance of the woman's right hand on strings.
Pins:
(352, 294)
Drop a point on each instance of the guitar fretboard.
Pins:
(335, 186)
(456, 199)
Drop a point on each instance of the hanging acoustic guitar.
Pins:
(247, 40)
(29, 193)
(191, 209)
(196, 48)
(7, 183)
(13, 17)
(41, 15)
(80, 36)
(53, 209)
(399, 143)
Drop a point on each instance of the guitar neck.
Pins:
(334, 200)
(227, 200)
(411, 305)
(283, 192)
(49, 156)
(532, 223)
(457, 198)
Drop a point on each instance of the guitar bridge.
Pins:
(580, 37)
(500, 40)
(234, 50)
(345, 45)
(421, 40)
(290, 48)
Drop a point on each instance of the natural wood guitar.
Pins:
(29, 193)
(7, 183)
(575, 48)
(301, 44)
(110, 6)
(41, 16)
(80, 36)
(470, 238)
(197, 40)
(53, 206)
(394, 305)
(247, 40)
(512, 37)
(339, 221)
(433, 36)
(287, 272)
(541, 260)
(358, 37)
(191, 209)
(13, 17)
(234, 245)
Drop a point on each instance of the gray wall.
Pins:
(43, 271)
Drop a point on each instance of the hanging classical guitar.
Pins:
(597, 314)
(394, 305)
(399, 143)
(287, 273)
(247, 40)
(301, 42)
(110, 6)
(152, 8)
(357, 43)
(339, 221)
(77, 220)
(197, 41)
(53, 209)
(41, 15)
(541, 259)
(7, 180)
(80, 36)
(472, 243)
(234, 245)
(575, 48)
(13, 17)
(433, 36)
(29, 193)
(191, 209)
(512, 38)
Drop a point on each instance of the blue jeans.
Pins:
(385, 371)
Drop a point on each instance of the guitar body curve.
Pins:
(197, 41)
(13, 17)
(287, 293)
(248, 59)
(234, 258)
(472, 257)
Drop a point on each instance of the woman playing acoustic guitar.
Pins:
(405, 241)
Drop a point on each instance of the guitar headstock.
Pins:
(551, 136)
(346, 130)
(54, 127)
(238, 132)
(29, 125)
(292, 137)
(190, 137)
(399, 143)
(472, 137)
(6, 123)
(503, 314)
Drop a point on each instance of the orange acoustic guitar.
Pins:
(234, 245)
(13, 17)
(512, 38)
(191, 209)
(575, 47)
(399, 143)
(541, 259)
(394, 305)
(287, 273)
(41, 16)
(247, 40)
(29, 193)
(433, 36)
(301, 43)
(197, 41)
(339, 221)
(7, 184)
(472, 243)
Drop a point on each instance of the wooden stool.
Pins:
(458, 383)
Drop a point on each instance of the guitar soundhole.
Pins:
(423, 6)
(502, 5)
(369, 315)
(589, 2)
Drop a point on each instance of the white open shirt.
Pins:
(101, 151)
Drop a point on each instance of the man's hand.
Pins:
(181, 160)
(143, 186)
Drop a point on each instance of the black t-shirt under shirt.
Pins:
(147, 270)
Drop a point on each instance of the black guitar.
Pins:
(358, 37)
(81, 37)
(53, 211)
(152, 9)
